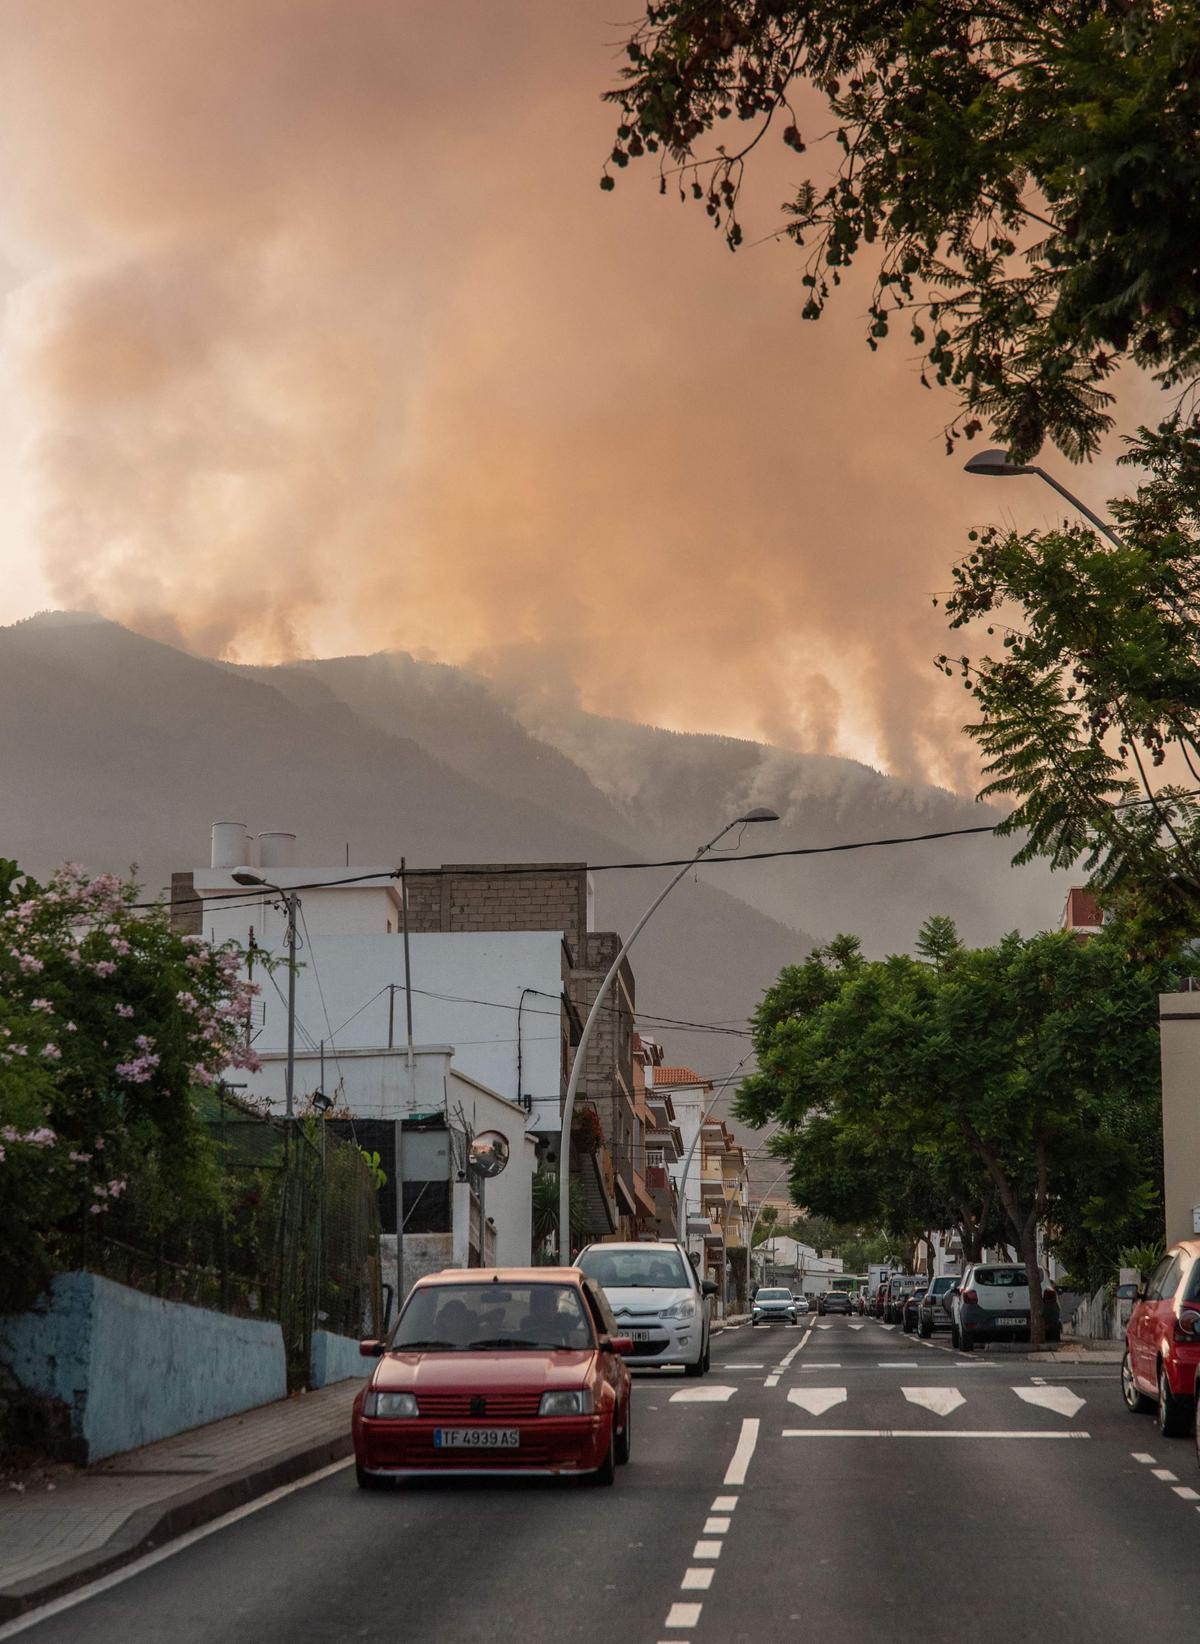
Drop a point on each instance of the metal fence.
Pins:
(295, 1238)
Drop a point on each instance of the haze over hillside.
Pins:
(117, 749)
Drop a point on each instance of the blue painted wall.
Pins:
(132, 1369)
(335, 1358)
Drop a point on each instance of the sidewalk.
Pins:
(60, 1534)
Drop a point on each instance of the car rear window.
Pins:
(1001, 1278)
(636, 1269)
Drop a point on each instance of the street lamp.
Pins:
(998, 465)
(246, 876)
(759, 814)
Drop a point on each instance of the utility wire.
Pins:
(508, 870)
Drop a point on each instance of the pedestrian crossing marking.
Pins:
(684, 1615)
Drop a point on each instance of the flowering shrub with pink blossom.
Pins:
(112, 1027)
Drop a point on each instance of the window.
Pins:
(1192, 1293)
(1001, 1278)
(656, 1158)
(459, 1317)
(1165, 1279)
(650, 1268)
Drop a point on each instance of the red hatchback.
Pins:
(1162, 1340)
(506, 1370)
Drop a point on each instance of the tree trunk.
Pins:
(1029, 1255)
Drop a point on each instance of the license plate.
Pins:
(636, 1335)
(476, 1438)
(1013, 1324)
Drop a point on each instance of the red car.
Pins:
(505, 1370)
(1161, 1366)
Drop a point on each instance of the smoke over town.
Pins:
(325, 339)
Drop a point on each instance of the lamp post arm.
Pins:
(577, 1066)
(1083, 508)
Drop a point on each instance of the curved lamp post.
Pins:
(997, 465)
(247, 876)
(760, 814)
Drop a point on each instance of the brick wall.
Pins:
(466, 896)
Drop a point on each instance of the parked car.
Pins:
(991, 1303)
(910, 1301)
(772, 1305)
(833, 1301)
(890, 1297)
(659, 1300)
(1161, 1366)
(933, 1312)
(801, 1302)
(496, 1371)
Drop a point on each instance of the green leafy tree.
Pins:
(112, 1029)
(1090, 708)
(1019, 1064)
(1024, 179)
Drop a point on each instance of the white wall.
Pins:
(376, 1086)
(467, 992)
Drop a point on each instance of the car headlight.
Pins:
(680, 1310)
(389, 1404)
(578, 1402)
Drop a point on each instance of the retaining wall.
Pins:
(335, 1358)
(129, 1369)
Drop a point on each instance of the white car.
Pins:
(658, 1299)
(801, 1302)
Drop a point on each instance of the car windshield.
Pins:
(636, 1269)
(774, 1295)
(459, 1318)
(943, 1284)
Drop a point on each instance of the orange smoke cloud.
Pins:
(329, 341)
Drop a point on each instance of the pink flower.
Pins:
(95, 1209)
(116, 1187)
(124, 1010)
(41, 1004)
(30, 966)
(104, 967)
(98, 1144)
(79, 1158)
(52, 1053)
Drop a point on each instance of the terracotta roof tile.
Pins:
(679, 1076)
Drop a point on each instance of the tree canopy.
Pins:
(1021, 1078)
(1090, 703)
(1024, 179)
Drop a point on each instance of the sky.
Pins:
(319, 336)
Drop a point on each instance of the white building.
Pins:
(488, 1029)
(690, 1095)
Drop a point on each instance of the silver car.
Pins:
(772, 1306)
(659, 1300)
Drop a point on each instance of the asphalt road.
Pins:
(838, 1481)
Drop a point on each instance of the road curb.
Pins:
(162, 1521)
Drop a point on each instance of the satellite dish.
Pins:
(489, 1153)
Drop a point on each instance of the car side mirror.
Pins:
(616, 1344)
(708, 1286)
(371, 1349)
(1129, 1292)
